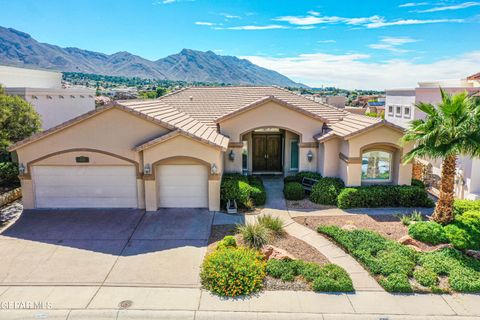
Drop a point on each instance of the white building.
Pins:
(400, 110)
(43, 89)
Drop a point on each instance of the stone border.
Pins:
(10, 196)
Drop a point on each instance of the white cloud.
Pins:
(452, 7)
(371, 22)
(392, 44)
(230, 16)
(252, 27)
(305, 27)
(353, 71)
(204, 23)
(413, 4)
(313, 13)
(169, 1)
(326, 41)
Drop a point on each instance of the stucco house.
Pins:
(172, 152)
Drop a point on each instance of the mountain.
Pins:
(20, 49)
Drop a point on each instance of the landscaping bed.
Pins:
(242, 260)
(247, 191)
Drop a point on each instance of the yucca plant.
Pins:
(255, 235)
(450, 129)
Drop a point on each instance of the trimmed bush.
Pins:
(418, 183)
(293, 191)
(461, 206)
(425, 277)
(396, 282)
(428, 231)
(255, 235)
(383, 196)
(9, 174)
(309, 174)
(246, 191)
(464, 232)
(327, 278)
(258, 195)
(274, 224)
(233, 272)
(293, 178)
(327, 190)
(227, 242)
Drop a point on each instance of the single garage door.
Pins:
(182, 186)
(85, 186)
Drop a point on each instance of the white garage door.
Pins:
(85, 186)
(182, 186)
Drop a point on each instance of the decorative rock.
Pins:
(272, 252)
(408, 241)
(349, 227)
(10, 196)
(414, 247)
(473, 253)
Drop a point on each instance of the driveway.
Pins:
(114, 247)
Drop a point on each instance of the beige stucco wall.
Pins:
(331, 162)
(271, 114)
(183, 150)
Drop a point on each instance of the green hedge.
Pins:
(300, 175)
(383, 196)
(418, 183)
(243, 189)
(461, 206)
(9, 174)
(293, 191)
(326, 190)
(428, 231)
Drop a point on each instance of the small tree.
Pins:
(449, 130)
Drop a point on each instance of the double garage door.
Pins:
(116, 186)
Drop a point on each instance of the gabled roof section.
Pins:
(164, 116)
(207, 104)
(475, 76)
(265, 100)
(353, 125)
(171, 135)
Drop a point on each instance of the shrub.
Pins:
(293, 191)
(328, 278)
(255, 235)
(233, 272)
(425, 277)
(246, 191)
(383, 196)
(309, 174)
(396, 282)
(327, 190)
(227, 242)
(415, 216)
(258, 195)
(464, 232)
(233, 189)
(418, 183)
(274, 224)
(8, 174)
(461, 206)
(332, 278)
(293, 178)
(464, 280)
(428, 231)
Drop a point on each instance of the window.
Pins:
(390, 110)
(406, 112)
(376, 166)
(294, 155)
(245, 156)
(398, 111)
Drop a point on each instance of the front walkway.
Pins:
(275, 206)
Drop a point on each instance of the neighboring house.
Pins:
(43, 90)
(172, 152)
(401, 110)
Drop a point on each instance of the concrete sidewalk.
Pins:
(73, 302)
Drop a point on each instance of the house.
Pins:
(43, 90)
(172, 152)
(401, 110)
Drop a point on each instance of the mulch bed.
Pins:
(387, 225)
(296, 247)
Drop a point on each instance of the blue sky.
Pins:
(350, 44)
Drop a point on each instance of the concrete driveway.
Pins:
(115, 247)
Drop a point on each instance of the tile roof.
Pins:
(206, 104)
(352, 125)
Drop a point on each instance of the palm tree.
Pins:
(448, 130)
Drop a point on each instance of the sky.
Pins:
(348, 44)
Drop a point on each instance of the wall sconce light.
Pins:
(213, 169)
(21, 169)
(309, 156)
(147, 168)
(231, 155)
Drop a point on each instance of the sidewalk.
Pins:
(69, 302)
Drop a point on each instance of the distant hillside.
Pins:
(20, 49)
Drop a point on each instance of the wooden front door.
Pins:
(267, 152)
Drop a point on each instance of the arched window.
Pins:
(376, 166)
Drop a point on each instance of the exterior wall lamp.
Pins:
(21, 169)
(213, 169)
(231, 155)
(309, 156)
(147, 168)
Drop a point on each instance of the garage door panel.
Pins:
(85, 186)
(183, 186)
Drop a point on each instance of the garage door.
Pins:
(182, 186)
(85, 186)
